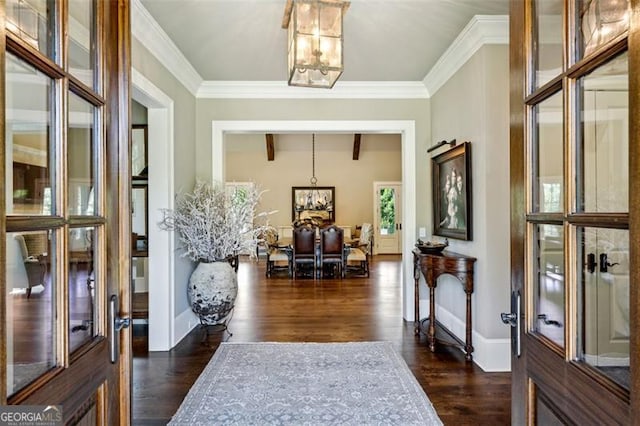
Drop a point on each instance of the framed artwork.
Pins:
(451, 190)
(313, 202)
(139, 150)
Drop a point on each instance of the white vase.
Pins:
(212, 291)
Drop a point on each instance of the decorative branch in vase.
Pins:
(214, 225)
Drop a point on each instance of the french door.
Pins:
(63, 253)
(388, 217)
(575, 148)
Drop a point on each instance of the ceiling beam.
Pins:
(356, 145)
(271, 153)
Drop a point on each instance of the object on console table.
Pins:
(432, 265)
(432, 246)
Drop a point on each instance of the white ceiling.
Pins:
(384, 40)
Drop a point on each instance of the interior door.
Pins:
(573, 216)
(388, 217)
(65, 245)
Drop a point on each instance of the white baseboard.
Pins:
(183, 324)
(491, 355)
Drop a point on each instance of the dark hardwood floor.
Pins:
(328, 310)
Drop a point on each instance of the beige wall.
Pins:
(138, 113)
(246, 161)
(416, 110)
(474, 106)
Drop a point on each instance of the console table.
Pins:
(432, 265)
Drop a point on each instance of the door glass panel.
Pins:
(604, 131)
(547, 40)
(82, 303)
(604, 307)
(31, 301)
(549, 282)
(599, 22)
(547, 156)
(31, 20)
(80, 137)
(28, 139)
(82, 41)
(387, 211)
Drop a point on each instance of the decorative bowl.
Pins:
(431, 246)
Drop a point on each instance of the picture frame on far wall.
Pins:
(313, 202)
(451, 192)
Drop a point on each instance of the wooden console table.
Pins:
(432, 266)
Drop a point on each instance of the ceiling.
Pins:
(384, 40)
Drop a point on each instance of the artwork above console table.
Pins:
(432, 265)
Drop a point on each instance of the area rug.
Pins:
(306, 384)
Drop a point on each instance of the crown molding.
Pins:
(152, 36)
(341, 90)
(481, 30)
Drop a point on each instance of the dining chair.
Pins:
(332, 249)
(277, 256)
(304, 248)
(359, 253)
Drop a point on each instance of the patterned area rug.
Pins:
(306, 384)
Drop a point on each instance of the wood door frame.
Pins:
(592, 405)
(517, 67)
(77, 379)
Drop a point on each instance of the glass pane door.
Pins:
(603, 130)
(604, 291)
(571, 232)
(387, 237)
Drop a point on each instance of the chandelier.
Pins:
(311, 199)
(314, 41)
(314, 180)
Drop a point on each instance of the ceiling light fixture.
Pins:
(314, 41)
(313, 200)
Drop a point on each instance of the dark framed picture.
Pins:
(451, 180)
(313, 202)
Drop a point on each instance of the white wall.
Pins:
(473, 106)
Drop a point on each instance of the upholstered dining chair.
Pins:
(304, 248)
(277, 257)
(332, 249)
(358, 255)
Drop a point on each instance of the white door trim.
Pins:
(406, 129)
(162, 335)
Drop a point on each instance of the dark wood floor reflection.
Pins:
(328, 310)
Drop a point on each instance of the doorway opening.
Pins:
(406, 129)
